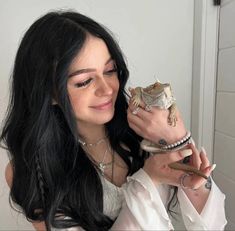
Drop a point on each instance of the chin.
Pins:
(103, 119)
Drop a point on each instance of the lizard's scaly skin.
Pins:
(157, 94)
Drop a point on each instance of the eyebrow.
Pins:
(87, 70)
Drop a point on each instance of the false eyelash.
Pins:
(83, 84)
(112, 71)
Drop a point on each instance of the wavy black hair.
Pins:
(52, 176)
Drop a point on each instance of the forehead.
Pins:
(93, 54)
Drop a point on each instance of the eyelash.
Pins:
(86, 82)
(111, 71)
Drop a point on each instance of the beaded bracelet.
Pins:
(178, 143)
(156, 148)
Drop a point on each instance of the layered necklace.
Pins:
(83, 143)
(102, 166)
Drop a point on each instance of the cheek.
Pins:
(76, 102)
(116, 86)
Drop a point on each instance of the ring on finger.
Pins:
(182, 179)
(135, 111)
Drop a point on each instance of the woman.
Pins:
(74, 140)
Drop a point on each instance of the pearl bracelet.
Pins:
(163, 147)
(179, 143)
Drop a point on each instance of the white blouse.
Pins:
(140, 205)
(113, 198)
(144, 207)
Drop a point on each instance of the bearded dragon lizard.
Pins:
(160, 95)
(157, 94)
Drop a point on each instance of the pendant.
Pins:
(102, 167)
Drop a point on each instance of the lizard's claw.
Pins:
(136, 101)
(172, 119)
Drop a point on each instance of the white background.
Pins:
(224, 145)
(156, 37)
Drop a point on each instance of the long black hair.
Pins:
(52, 176)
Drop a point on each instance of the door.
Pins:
(224, 133)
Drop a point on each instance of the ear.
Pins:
(9, 174)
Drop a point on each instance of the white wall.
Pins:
(225, 109)
(156, 37)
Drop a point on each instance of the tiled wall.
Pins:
(224, 147)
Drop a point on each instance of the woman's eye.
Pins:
(110, 72)
(84, 83)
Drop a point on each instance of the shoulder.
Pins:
(9, 174)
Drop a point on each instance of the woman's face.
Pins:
(93, 83)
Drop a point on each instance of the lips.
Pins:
(103, 106)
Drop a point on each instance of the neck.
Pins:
(91, 133)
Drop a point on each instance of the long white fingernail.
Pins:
(186, 152)
(203, 150)
(213, 167)
(193, 142)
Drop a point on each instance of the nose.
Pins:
(104, 88)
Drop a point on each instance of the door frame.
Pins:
(204, 73)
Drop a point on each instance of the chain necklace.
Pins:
(102, 166)
(83, 143)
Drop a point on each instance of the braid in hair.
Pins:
(40, 179)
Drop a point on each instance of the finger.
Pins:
(176, 156)
(134, 123)
(140, 113)
(204, 159)
(196, 160)
(196, 182)
(208, 170)
(193, 181)
(134, 118)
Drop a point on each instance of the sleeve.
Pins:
(212, 216)
(142, 208)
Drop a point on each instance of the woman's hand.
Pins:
(156, 166)
(200, 161)
(197, 188)
(152, 125)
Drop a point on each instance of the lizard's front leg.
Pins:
(136, 96)
(172, 119)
